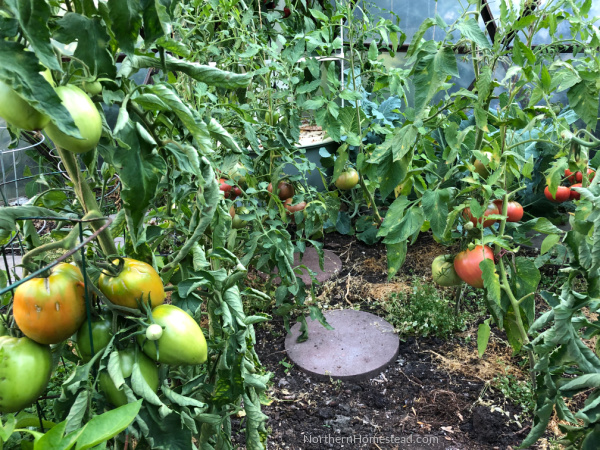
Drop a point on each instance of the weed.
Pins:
(519, 392)
(287, 366)
(426, 312)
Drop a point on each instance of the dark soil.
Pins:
(436, 395)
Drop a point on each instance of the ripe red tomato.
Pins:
(574, 195)
(235, 192)
(443, 273)
(563, 194)
(514, 210)
(25, 369)
(127, 358)
(101, 334)
(491, 209)
(49, 310)
(347, 180)
(137, 281)
(466, 264)
(286, 190)
(226, 188)
(578, 176)
(182, 341)
(86, 118)
(294, 208)
(286, 12)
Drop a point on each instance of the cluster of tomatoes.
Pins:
(50, 310)
(464, 267)
(17, 112)
(566, 193)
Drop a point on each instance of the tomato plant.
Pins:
(127, 358)
(182, 341)
(86, 117)
(563, 194)
(49, 310)
(443, 272)
(25, 369)
(347, 180)
(136, 281)
(101, 335)
(466, 264)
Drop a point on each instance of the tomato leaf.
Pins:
(435, 206)
(92, 42)
(126, 22)
(549, 242)
(206, 74)
(583, 98)
(430, 73)
(33, 18)
(140, 170)
(491, 282)
(411, 223)
(483, 337)
(470, 29)
(105, 426)
(396, 255)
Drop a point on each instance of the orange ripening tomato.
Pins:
(466, 264)
(137, 281)
(49, 310)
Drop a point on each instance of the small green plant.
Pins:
(425, 312)
(287, 366)
(517, 391)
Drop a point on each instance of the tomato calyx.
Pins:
(110, 269)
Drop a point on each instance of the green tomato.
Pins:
(86, 117)
(347, 180)
(92, 87)
(18, 112)
(127, 358)
(237, 222)
(182, 341)
(25, 369)
(137, 281)
(443, 273)
(101, 334)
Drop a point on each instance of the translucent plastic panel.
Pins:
(543, 37)
(413, 13)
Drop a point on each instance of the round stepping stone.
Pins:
(332, 265)
(360, 346)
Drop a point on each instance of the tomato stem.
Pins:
(87, 198)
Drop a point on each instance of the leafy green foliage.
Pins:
(425, 312)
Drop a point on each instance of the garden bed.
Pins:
(437, 389)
